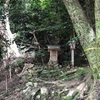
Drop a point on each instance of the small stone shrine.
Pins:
(53, 49)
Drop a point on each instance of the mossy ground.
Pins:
(58, 81)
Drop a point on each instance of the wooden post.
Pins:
(72, 47)
(72, 58)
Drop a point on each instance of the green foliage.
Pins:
(73, 97)
(49, 73)
(3, 43)
(45, 16)
(73, 40)
(47, 19)
(40, 53)
(77, 73)
(19, 63)
(68, 98)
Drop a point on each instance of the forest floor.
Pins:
(53, 84)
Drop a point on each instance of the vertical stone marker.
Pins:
(53, 49)
(72, 47)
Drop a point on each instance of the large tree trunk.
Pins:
(83, 30)
(12, 49)
(97, 20)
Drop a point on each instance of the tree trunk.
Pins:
(83, 30)
(12, 49)
(97, 20)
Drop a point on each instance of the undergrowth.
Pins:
(56, 73)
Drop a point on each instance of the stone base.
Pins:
(52, 62)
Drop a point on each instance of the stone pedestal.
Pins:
(53, 54)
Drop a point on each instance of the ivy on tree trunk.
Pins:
(97, 21)
(84, 31)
